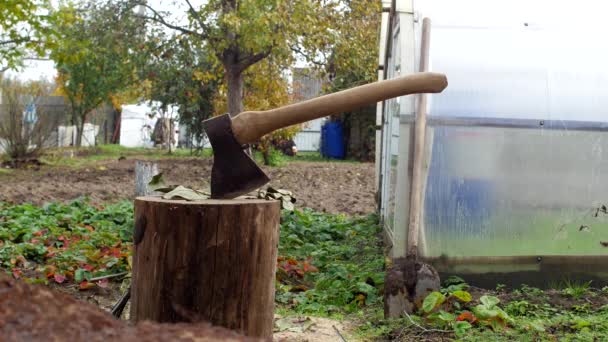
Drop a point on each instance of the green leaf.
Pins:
(433, 300)
(489, 301)
(446, 316)
(461, 327)
(81, 275)
(463, 296)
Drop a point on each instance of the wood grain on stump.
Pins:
(212, 260)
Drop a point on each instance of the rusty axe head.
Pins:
(234, 173)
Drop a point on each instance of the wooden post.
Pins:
(212, 260)
(144, 171)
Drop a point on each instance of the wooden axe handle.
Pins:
(248, 127)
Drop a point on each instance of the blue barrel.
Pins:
(332, 140)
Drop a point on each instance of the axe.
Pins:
(234, 173)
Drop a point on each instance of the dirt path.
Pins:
(323, 186)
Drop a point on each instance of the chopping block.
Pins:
(211, 260)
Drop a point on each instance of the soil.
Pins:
(323, 186)
(37, 313)
(593, 298)
(313, 329)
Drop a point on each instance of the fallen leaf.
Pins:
(185, 193)
(293, 325)
(85, 285)
(467, 316)
(59, 278)
(604, 243)
(17, 273)
(40, 232)
(103, 283)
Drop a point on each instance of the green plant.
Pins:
(273, 157)
(436, 303)
(329, 264)
(531, 291)
(66, 243)
(490, 314)
(576, 289)
(519, 308)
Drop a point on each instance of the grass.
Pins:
(316, 157)
(278, 159)
(82, 157)
(88, 156)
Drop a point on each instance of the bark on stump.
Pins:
(212, 260)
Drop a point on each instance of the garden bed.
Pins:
(333, 187)
(329, 280)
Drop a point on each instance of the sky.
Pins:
(581, 22)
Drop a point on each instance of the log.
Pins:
(212, 260)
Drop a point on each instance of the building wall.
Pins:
(307, 85)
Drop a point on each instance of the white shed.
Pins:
(137, 124)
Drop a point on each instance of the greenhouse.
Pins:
(516, 146)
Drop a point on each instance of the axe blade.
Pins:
(234, 173)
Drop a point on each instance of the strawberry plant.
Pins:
(329, 263)
(65, 243)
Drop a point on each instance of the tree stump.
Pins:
(212, 260)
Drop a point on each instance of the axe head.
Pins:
(234, 173)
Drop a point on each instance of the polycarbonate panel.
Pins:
(391, 139)
(516, 191)
(548, 73)
(392, 161)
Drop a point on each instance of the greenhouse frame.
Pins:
(516, 147)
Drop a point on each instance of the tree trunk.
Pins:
(79, 132)
(234, 80)
(212, 260)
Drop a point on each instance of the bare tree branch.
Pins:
(196, 16)
(14, 41)
(307, 56)
(251, 59)
(159, 19)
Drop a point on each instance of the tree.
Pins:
(24, 25)
(93, 57)
(25, 123)
(353, 62)
(241, 33)
(265, 88)
(354, 57)
(176, 72)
